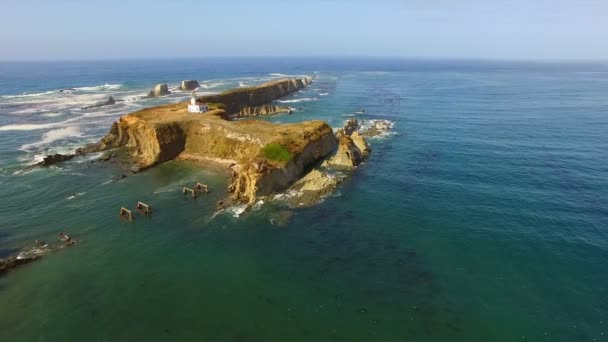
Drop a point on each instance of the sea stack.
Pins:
(159, 90)
(188, 85)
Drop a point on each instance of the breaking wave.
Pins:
(52, 136)
(103, 87)
(304, 99)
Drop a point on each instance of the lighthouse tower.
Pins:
(195, 107)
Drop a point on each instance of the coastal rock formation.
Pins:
(348, 154)
(109, 102)
(159, 90)
(189, 85)
(261, 177)
(311, 188)
(54, 159)
(262, 111)
(350, 126)
(237, 101)
(361, 144)
(156, 135)
(13, 262)
(376, 128)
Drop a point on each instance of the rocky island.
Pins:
(264, 157)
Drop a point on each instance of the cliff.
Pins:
(244, 101)
(266, 157)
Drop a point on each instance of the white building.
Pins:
(197, 107)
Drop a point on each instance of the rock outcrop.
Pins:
(361, 144)
(350, 126)
(189, 85)
(109, 102)
(376, 128)
(54, 159)
(237, 101)
(159, 90)
(312, 188)
(262, 111)
(13, 262)
(156, 135)
(348, 154)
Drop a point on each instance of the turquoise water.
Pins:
(482, 218)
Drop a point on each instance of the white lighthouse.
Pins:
(195, 106)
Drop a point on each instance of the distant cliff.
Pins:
(244, 101)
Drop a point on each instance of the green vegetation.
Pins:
(216, 105)
(276, 152)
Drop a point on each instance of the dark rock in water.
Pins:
(160, 90)
(109, 102)
(55, 158)
(13, 262)
(189, 85)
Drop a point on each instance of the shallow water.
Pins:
(483, 217)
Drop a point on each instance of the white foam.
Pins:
(304, 99)
(27, 95)
(212, 85)
(278, 75)
(52, 136)
(52, 114)
(243, 85)
(26, 127)
(323, 94)
(103, 87)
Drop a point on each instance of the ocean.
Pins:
(483, 216)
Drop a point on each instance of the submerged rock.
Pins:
(187, 85)
(159, 90)
(13, 262)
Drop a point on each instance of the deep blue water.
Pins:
(482, 218)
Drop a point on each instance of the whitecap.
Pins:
(26, 127)
(103, 87)
(52, 114)
(323, 94)
(278, 75)
(76, 195)
(304, 99)
(237, 210)
(52, 136)
(243, 85)
(28, 95)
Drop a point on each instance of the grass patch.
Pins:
(277, 152)
(216, 105)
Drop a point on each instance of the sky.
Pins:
(476, 29)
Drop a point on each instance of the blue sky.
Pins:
(490, 29)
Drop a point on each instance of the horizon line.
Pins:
(349, 57)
